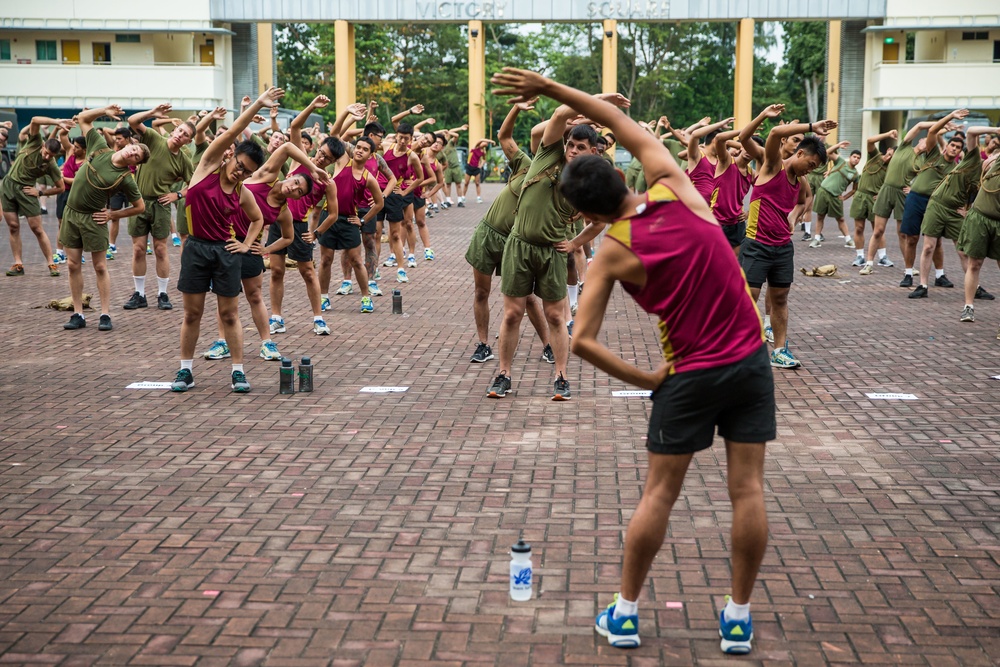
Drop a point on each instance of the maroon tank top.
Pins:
(210, 210)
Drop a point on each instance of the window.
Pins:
(102, 53)
(45, 49)
(975, 36)
(127, 38)
(4, 49)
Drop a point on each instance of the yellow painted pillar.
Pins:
(609, 62)
(743, 85)
(477, 82)
(345, 77)
(833, 76)
(265, 57)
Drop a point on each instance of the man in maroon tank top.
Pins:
(669, 254)
(211, 257)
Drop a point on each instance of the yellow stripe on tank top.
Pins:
(668, 348)
(752, 219)
(621, 231)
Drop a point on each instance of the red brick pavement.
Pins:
(340, 528)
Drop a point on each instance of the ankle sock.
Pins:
(737, 612)
(161, 284)
(140, 284)
(938, 273)
(187, 364)
(880, 253)
(625, 608)
(238, 367)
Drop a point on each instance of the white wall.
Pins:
(40, 11)
(980, 50)
(930, 46)
(936, 12)
(936, 86)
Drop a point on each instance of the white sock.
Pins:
(869, 263)
(174, 236)
(324, 296)
(909, 272)
(861, 253)
(808, 226)
(938, 273)
(625, 608)
(317, 318)
(574, 294)
(767, 320)
(140, 284)
(880, 253)
(969, 305)
(187, 364)
(161, 284)
(449, 200)
(239, 367)
(737, 612)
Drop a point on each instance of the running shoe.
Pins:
(968, 314)
(390, 261)
(53, 270)
(783, 358)
(858, 261)
(561, 390)
(849, 243)
(16, 270)
(983, 294)
(320, 328)
(378, 273)
(428, 254)
(401, 276)
(769, 334)
(919, 293)
(501, 385)
(411, 262)
(176, 240)
(943, 281)
(163, 301)
(276, 323)
(815, 243)
(736, 635)
(109, 255)
(135, 302)
(324, 304)
(461, 203)
(479, 200)
(573, 308)
(547, 355)
(149, 249)
(569, 328)
(104, 324)
(269, 351)
(76, 321)
(907, 281)
(373, 288)
(218, 350)
(183, 381)
(867, 269)
(620, 632)
(482, 354)
(58, 259)
(346, 287)
(885, 261)
(366, 305)
(806, 236)
(113, 249)
(240, 384)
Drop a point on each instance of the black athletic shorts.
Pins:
(771, 264)
(61, 200)
(299, 250)
(207, 265)
(251, 265)
(418, 203)
(738, 399)
(118, 201)
(473, 171)
(735, 233)
(913, 213)
(393, 208)
(341, 236)
(369, 227)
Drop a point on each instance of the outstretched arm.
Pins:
(872, 142)
(755, 152)
(505, 135)
(136, 120)
(972, 135)
(353, 113)
(722, 149)
(917, 129)
(86, 118)
(772, 147)
(271, 169)
(936, 128)
(212, 158)
(694, 151)
(415, 109)
(295, 127)
(199, 131)
(35, 126)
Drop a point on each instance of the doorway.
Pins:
(71, 51)
(102, 53)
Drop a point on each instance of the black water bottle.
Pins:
(397, 302)
(305, 374)
(287, 384)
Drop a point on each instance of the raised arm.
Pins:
(213, 154)
(199, 130)
(917, 129)
(271, 169)
(936, 128)
(86, 118)
(872, 142)
(972, 135)
(353, 113)
(425, 121)
(136, 120)
(415, 109)
(772, 147)
(505, 135)
(749, 145)
(37, 122)
(722, 141)
(295, 127)
(694, 139)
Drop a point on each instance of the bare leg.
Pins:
(510, 330)
(481, 304)
(926, 257)
(909, 246)
(371, 254)
(779, 314)
(277, 283)
(35, 223)
(194, 306)
(537, 318)
(555, 317)
(745, 473)
(420, 218)
(73, 256)
(99, 261)
(396, 242)
(162, 258)
(311, 279)
(354, 260)
(974, 266)
(139, 256)
(229, 309)
(14, 224)
(325, 269)
(255, 297)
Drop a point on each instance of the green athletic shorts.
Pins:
(890, 202)
(980, 236)
(14, 200)
(939, 221)
(863, 207)
(78, 230)
(154, 220)
(827, 204)
(453, 175)
(532, 269)
(485, 251)
(814, 183)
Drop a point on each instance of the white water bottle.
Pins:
(520, 571)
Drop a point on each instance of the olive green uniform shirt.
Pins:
(449, 156)
(873, 173)
(988, 200)
(99, 178)
(902, 166)
(156, 177)
(29, 167)
(955, 188)
(931, 172)
(841, 175)
(543, 214)
(500, 217)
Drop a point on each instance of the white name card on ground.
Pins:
(630, 393)
(892, 397)
(995, 377)
(149, 385)
(383, 390)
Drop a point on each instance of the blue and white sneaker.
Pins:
(325, 304)
(320, 328)
(346, 287)
(218, 350)
(366, 305)
(373, 288)
(378, 274)
(736, 635)
(277, 324)
(401, 276)
(428, 254)
(411, 262)
(783, 358)
(769, 334)
(175, 239)
(58, 258)
(621, 632)
(391, 261)
(149, 249)
(269, 351)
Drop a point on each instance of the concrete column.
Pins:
(743, 85)
(833, 76)
(265, 57)
(609, 62)
(345, 79)
(477, 82)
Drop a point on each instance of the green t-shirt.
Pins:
(988, 200)
(676, 148)
(99, 178)
(872, 174)
(449, 156)
(931, 172)
(163, 168)
(500, 217)
(841, 175)
(954, 190)
(902, 166)
(543, 213)
(199, 152)
(29, 167)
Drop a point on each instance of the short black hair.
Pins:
(367, 140)
(611, 138)
(583, 133)
(81, 142)
(592, 185)
(404, 128)
(53, 146)
(602, 140)
(124, 132)
(336, 147)
(856, 152)
(710, 137)
(252, 150)
(307, 179)
(374, 127)
(757, 139)
(440, 136)
(813, 145)
(307, 138)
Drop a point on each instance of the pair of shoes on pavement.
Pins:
(76, 321)
(185, 380)
(137, 301)
(502, 385)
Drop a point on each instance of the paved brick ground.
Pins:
(340, 528)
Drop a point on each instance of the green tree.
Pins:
(804, 70)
